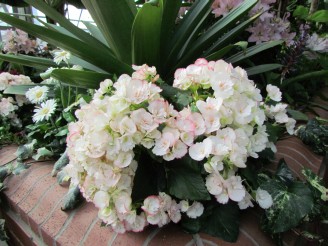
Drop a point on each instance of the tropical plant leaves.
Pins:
(114, 18)
(30, 61)
(146, 34)
(81, 79)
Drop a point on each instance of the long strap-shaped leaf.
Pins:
(262, 68)
(228, 37)
(93, 55)
(30, 61)
(62, 21)
(252, 51)
(216, 31)
(81, 79)
(114, 18)
(188, 26)
(146, 34)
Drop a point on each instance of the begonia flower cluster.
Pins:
(221, 128)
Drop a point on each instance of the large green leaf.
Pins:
(186, 30)
(146, 34)
(170, 12)
(220, 53)
(184, 180)
(216, 31)
(262, 68)
(93, 55)
(81, 79)
(222, 221)
(94, 30)
(252, 51)
(229, 36)
(114, 18)
(19, 89)
(30, 61)
(65, 23)
(290, 205)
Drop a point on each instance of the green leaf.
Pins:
(223, 221)
(252, 51)
(30, 61)
(60, 163)
(25, 151)
(72, 199)
(307, 76)
(262, 68)
(114, 19)
(19, 167)
(301, 12)
(146, 35)
(220, 53)
(21, 89)
(191, 225)
(284, 173)
(184, 182)
(274, 132)
(216, 31)
(42, 153)
(92, 54)
(319, 16)
(66, 24)
(62, 177)
(3, 234)
(15, 3)
(94, 30)
(290, 205)
(297, 115)
(187, 30)
(229, 36)
(143, 186)
(81, 79)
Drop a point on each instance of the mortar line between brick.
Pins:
(41, 198)
(249, 237)
(92, 224)
(49, 215)
(64, 227)
(32, 187)
(151, 236)
(110, 242)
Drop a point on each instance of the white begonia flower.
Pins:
(151, 205)
(45, 111)
(274, 92)
(108, 215)
(236, 190)
(263, 198)
(195, 210)
(246, 202)
(37, 94)
(61, 55)
(123, 203)
(290, 126)
(184, 205)
(174, 212)
(200, 150)
(214, 184)
(101, 199)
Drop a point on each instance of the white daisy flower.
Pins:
(61, 55)
(37, 94)
(45, 110)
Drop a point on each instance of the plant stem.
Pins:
(314, 6)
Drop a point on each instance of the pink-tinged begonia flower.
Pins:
(151, 205)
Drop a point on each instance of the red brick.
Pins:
(28, 182)
(170, 235)
(133, 238)
(78, 226)
(46, 206)
(35, 194)
(100, 236)
(7, 154)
